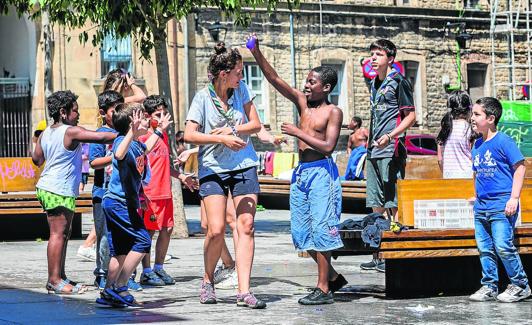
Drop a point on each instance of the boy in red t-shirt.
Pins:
(159, 210)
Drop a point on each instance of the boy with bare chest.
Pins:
(315, 191)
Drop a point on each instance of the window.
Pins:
(334, 96)
(255, 80)
(476, 80)
(338, 95)
(472, 4)
(412, 74)
(116, 53)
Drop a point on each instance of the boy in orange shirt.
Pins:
(159, 211)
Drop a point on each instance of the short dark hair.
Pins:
(108, 99)
(152, 102)
(385, 45)
(492, 106)
(60, 99)
(358, 120)
(327, 75)
(122, 116)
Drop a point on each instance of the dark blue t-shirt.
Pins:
(493, 162)
(101, 176)
(128, 173)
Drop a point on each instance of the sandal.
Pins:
(115, 294)
(80, 288)
(58, 289)
(108, 300)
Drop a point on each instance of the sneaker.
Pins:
(249, 300)
(230, 282)
(87, 253)
(133, 286)
(151, 279)
(372, 265)
(99, 282)
(381, 266)
(165, 277)
(514, 293)
(317, 297)
(337, 284)
(207, 294)
(484, 294)
(222, 272)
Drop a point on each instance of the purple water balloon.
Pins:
(250, 44)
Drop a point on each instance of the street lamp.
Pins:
(215, 30)
(458, 30)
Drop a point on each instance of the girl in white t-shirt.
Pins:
(220, 120)
(455, 137)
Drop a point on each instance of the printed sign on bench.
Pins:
(18, 174)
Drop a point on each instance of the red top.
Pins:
(159, 186)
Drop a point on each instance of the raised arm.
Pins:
(138, 95)
(331, 133)
(292, 94)
(164, 121)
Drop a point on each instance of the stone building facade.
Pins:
(333, 32)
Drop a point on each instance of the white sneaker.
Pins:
(230, 282)
(221, 273)
(167, 257)
(484, 294)
(87, 253)
(514, 293)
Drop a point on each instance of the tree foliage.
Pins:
(145, 20)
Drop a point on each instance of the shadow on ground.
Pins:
(30, 307)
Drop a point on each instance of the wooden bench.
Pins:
(350, 189)
(21, 215)
(421, 262)
(440, 262)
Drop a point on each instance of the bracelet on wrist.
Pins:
(159, 133)
(389, 137)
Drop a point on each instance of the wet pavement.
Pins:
(279, 276)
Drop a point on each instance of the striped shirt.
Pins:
(456, 152)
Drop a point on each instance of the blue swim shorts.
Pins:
(315, 206)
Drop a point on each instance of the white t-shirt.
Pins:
(217, 158)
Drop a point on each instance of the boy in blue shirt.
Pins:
(100, 159)
(499, 170)
(128, 238)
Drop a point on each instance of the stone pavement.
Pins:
(279, 277)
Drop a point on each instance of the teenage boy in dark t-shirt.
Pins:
(392, 113)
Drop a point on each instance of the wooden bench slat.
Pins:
(428, 253)
(39, 210)
(23, 204)
(32, 196)
(428, 233)
(436, 253)
(399, 245)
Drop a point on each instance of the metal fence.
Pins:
(15, 117)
